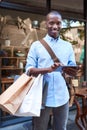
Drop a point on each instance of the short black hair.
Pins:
(53, 12)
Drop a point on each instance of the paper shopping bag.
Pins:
(31, 104)
(11, 98)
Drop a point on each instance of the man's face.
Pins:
(54, 25)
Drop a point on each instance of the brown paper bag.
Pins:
(11, 99)
(31, 105)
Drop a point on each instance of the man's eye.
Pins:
(59, 23)
(51, 23)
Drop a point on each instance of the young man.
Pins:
(39, 61)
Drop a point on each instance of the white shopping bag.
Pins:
(31, 105)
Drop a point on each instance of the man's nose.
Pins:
(55, 26)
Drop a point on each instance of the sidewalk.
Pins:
(28, 125)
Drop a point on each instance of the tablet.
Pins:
(73, 67)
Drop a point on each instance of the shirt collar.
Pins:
(51, 38)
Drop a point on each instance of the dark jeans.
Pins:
(60, 118)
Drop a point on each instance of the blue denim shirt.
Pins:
(39, 57)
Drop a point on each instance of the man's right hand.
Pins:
(55, 66)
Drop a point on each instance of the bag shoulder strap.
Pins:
(48, 48)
